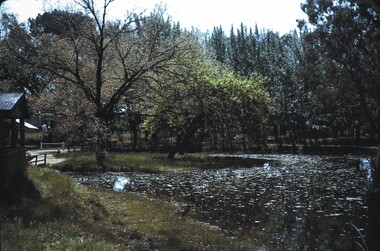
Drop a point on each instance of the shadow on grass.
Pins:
(25, 204)
(44, 195)
(15, 202)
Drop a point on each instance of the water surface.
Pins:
(299, 203)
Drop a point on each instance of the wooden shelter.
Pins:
(13, 106)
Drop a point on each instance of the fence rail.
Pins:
(37, 159)
(62, 145)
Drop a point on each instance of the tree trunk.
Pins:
(374, 206)
(378, 124)
(154, 141)
(100, 156)
(376, 171)
(134, 123)
(357, 134)
(292, 138)
(201, 140)
(183, 139)
(101, 149)
(181, 144)
(134, 139)
(244, 144)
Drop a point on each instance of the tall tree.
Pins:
(218, 44)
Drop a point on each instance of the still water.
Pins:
(300, 202)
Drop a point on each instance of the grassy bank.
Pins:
(51, 211)
(150, 162)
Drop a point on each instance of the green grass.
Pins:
(50, 211)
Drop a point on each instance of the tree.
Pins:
(278, 59)
(218, 45)
(207, 100)
(102, 61)
(15, 74)
(348, 33)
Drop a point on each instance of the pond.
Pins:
(297, 202)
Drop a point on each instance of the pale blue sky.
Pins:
(277, 15)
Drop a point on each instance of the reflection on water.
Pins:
(299, 203)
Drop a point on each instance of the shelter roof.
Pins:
(13, 105)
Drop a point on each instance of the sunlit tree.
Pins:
(209, 101)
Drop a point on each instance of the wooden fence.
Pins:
(62, 145)
(37, 159)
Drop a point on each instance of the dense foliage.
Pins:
(323, 79)
(212, 104)
(97, 77)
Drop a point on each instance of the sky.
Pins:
(276, 15)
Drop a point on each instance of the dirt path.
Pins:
(50, 156)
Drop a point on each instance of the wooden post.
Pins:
(14, 134)
(22, 132)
